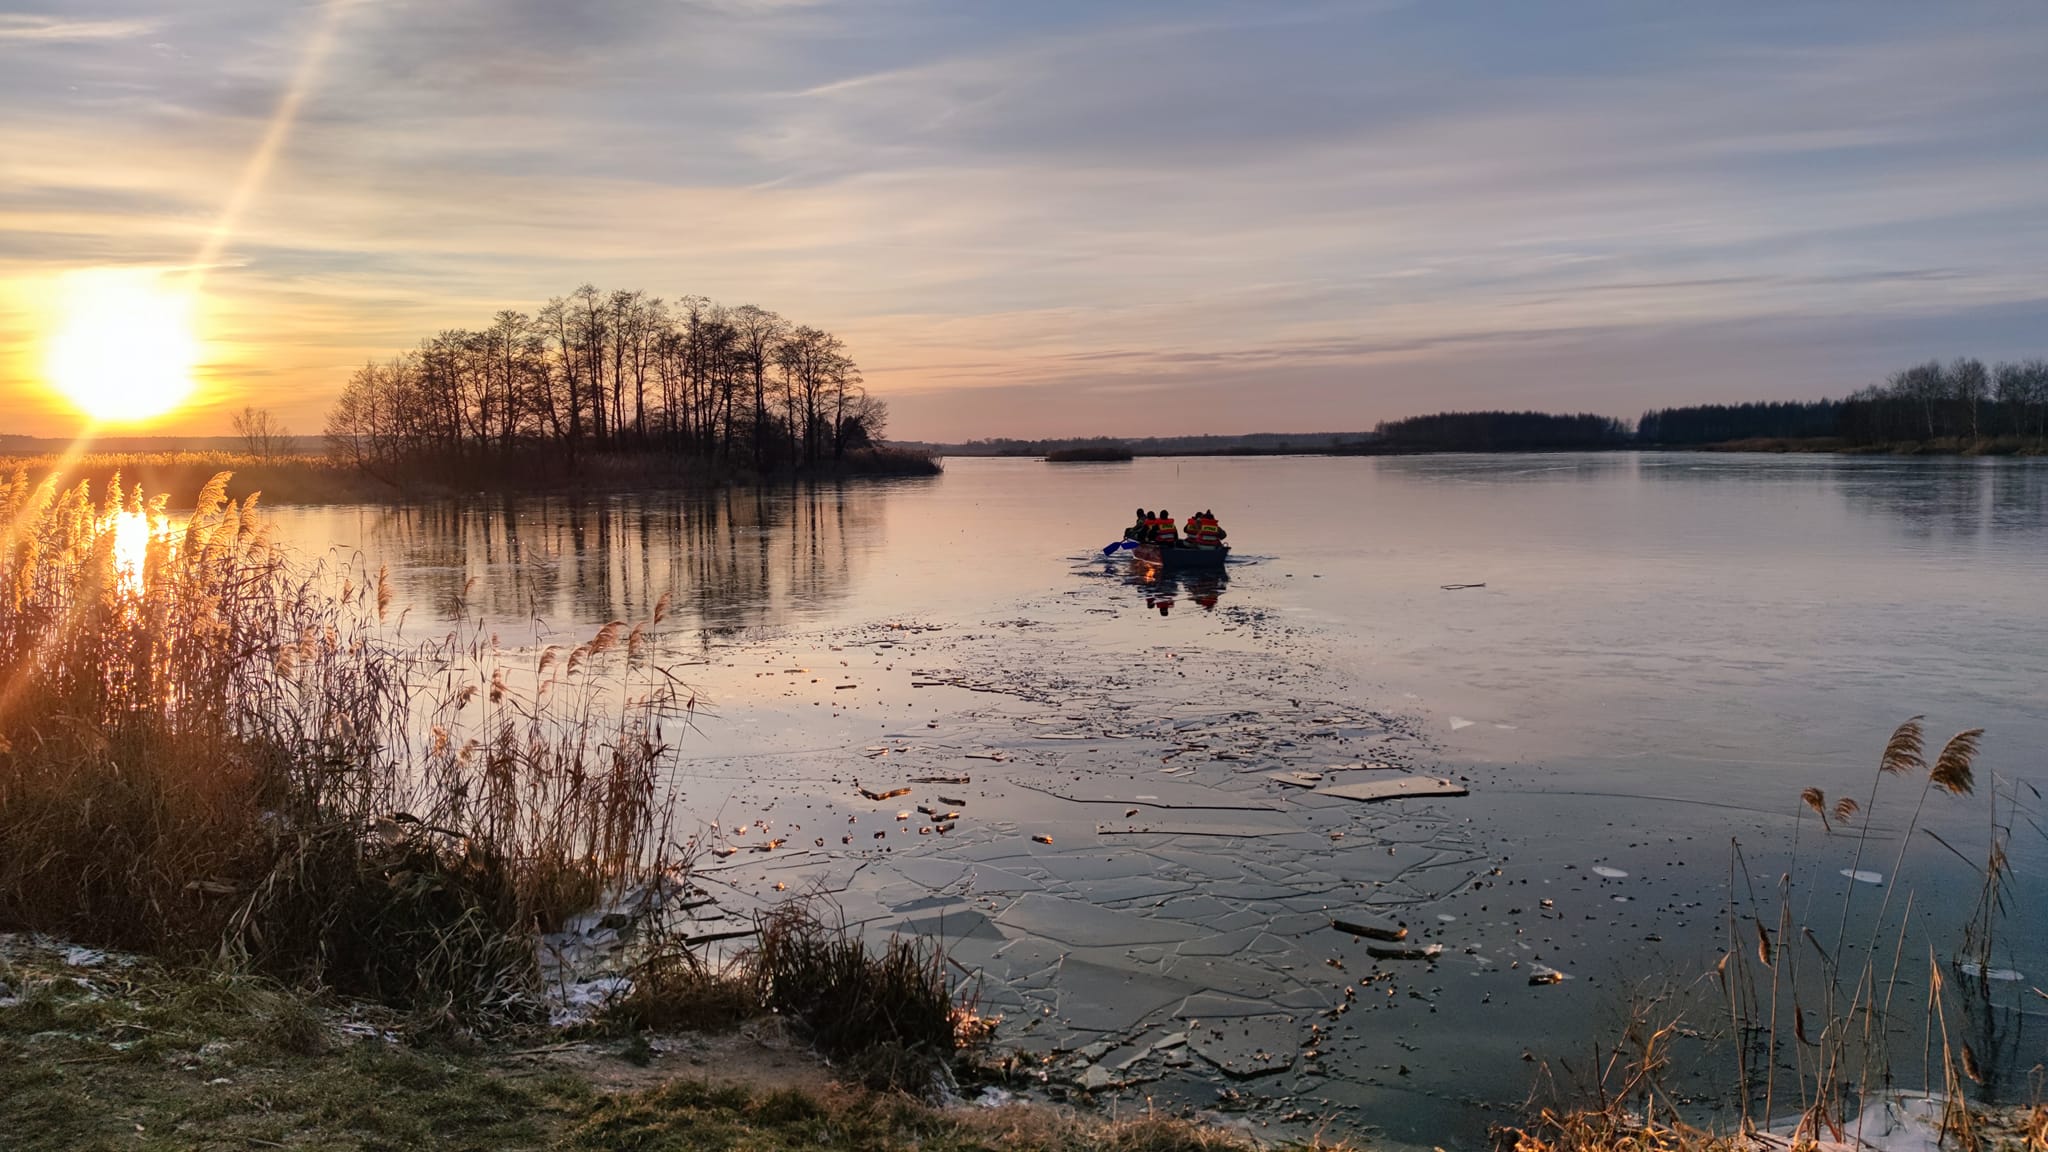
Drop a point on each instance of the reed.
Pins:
(291, 478)
(211, 751)
(1818, 1031)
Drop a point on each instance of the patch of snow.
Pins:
(1889, 1122)
(581, 999)
(1458, 722)
(1972, 968)
(1862, 876)
(1609, 873)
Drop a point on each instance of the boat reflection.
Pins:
(1163, 589)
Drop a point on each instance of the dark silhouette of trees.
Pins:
(1502, 432)
(1722, 423)
(693, 381)
(1961, 403)
(2021, 393)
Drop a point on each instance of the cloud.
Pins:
(48, 29)
(1071, 200)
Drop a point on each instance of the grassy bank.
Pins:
(113, 1051)
(313, 479)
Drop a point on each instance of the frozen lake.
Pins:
(1664, 650)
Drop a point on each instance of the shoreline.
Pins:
(317, 480)
(314, 480)
(100, 1046)
(1780, 447)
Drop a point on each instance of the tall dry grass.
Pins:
(288, 478)
(209, 750)
(1830, 1009)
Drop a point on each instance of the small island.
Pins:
(1110, 453)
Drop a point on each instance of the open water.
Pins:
(1648, 659)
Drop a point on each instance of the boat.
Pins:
(1180, 559)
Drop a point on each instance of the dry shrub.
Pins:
(676, 988)
(888, 1018)
(210, 750)
(892, 1014)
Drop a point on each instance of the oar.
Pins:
(1119, 544)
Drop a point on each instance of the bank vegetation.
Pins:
(214, 754)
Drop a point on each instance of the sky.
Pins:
(1055, 217)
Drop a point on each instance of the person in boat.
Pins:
(1167, 536)
(1204, 531)
(1141, 528)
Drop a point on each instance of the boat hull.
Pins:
(1180, 559)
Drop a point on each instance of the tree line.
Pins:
(1960, 401)
(1500, 432)
(734, 388)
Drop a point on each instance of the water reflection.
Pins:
(732, 562)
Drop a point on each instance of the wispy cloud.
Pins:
(45, 29)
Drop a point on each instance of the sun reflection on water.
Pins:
(132, 533)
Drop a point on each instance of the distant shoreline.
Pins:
(317, 480)
(308, 479)
(1989, 446)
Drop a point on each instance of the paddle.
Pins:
(1119, 544)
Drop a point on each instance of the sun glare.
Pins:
(122, 348)
(132, 531)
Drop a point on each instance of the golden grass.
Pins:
(282, 479)
(207, 749)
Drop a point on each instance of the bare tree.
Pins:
(263, 436)
(1970, 385)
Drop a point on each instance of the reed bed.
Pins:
(209, 751)
(282, 478)
(1823, 1008)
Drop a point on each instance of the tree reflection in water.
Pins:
(735, 561)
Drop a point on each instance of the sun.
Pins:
(122, 348)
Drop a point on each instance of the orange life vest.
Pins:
(1204, 532)
(1167, 534)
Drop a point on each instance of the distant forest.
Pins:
(1501, 432)
(1961, 402)
(1961, 405)
(687, 385)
